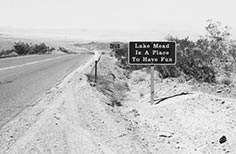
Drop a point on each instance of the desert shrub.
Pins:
(196, 69)
(122, 56)
(62, 49)
(103, 53)
(191, 60)
(40, 49)
(221, 47)
(168, 71)
(202, 60)
(113, 89)
(22, 48)
(210, 55)
(184, 46)
(51, 49)
(226, 81)
(190, 66)
(138, 75)
(6, 52)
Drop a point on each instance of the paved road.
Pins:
(24, 79)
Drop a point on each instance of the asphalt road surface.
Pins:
(24, 79)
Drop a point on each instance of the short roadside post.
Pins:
(150, 54)
(152, 84)
(96, 72)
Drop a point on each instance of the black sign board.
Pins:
(114, 46)
(152, 53)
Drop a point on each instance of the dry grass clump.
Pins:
(225, 80)
(115, 90)
(138, 76)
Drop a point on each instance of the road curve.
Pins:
(23, 80)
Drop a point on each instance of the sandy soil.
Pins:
(193, 123)
(74, 117)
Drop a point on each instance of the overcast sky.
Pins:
(117, 19)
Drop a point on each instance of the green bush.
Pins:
(202, 60)
(191, 61)
(62, 49)
(5, 52)
(226, 81)
(40, 49)
(194, 68)
(190, 66)
(122, 56)
(115, 90)
(168, 71)
(22, 48)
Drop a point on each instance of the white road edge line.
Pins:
(31, 63)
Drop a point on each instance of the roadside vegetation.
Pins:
(62, 49)
(110, 80)
(210, 59)
(22, 48)
(113, 89)
(5, 53)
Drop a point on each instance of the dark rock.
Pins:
(222, 139)
(169, 136)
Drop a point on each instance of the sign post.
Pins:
(152, 53)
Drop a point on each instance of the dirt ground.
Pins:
(74, 117)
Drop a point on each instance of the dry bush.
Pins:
(4, 53)
(115, 90)
(226, 81)
(22, 48)
(196, 59)
(189, 61)
(138, 76)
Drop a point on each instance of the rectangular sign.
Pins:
(152, 53)
(114, 46)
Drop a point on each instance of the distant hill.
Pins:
(94, 45)
(6, 43)
(97, 45)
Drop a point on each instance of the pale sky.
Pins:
(115, 19)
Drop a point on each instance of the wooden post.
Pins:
(152, 84)
(96, 63)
